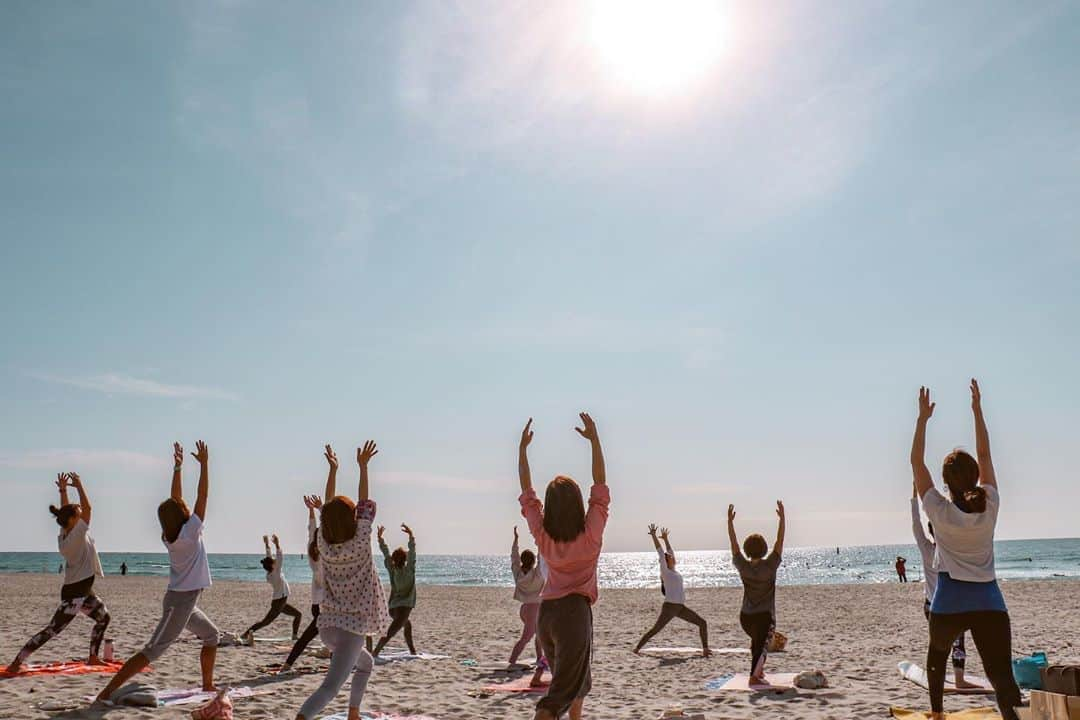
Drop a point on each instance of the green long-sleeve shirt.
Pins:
(402, 579)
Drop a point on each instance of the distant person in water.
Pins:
(189, 575)
(353, 605)
(930, 578)
(967, 595)
(757, 568)
(83, 566)
(279, 600)
(901, 568)
(671, 584)
(123, 568)
(569, 539)
(401, 566)
(529, 577)
(312, 503)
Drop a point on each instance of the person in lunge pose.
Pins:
(671, 582)
(81, 565)
(279, 601)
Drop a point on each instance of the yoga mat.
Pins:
(62, 668)
(283, 639)
(520, 685)
(690, 651)
(190, 696)
(969, 714)
(913, 672)
(774, 682)
(377, 716)
(391, 655)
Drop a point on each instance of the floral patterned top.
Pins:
(353, 598)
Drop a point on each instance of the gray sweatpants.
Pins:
(179, 610)
(350, 656)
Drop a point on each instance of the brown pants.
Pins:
(566, 633)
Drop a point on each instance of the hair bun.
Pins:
(54, 510)
(975, 499)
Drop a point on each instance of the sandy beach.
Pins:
(855, 635)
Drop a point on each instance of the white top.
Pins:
(188, 567)
(276, 579)
(673, 582)
(926, 551)
(315, 565)
(80, 554)
(965, 541)
(527, 585)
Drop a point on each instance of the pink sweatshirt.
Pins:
(571, 565)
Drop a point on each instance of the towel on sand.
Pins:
(691, 651)
(62, 668)
(521, 685)
(392, 655)
(774, 682)
(913, 672)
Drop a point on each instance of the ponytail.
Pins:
(974, 501)
(64, 513)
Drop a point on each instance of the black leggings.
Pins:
(566, 636)
(676, 610)
(959, 653)
(992, 633)
(400, 617)
(91, 606)
(309, 634)
(759, 626)
(277, 607)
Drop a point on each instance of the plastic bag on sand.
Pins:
(777, 642)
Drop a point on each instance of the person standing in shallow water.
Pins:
(758, 573)
(967, 596)
(569, 539)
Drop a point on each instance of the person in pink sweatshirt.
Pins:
(569, 540)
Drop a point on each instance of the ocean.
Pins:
(1016, 559)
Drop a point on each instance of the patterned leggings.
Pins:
(91, 606)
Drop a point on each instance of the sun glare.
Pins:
(653, 47)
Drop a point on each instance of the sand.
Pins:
(855, 635)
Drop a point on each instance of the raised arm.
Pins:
(515, 556)
(982, 438)
(524, 474)
(652, 534)
(664, 535)
(203, 456)
(599, 475)
(410, 556)
(279, 557)
(62, 486)
(382, 544)
(778, 546)
(331, 474)
(735, 551)
(363, 457)
(266, 545)
(177, 491)
(923, 482)
(84, 500)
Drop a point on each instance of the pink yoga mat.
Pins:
(774, 682)
(520, 685)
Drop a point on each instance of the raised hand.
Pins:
(526, 435)
(316, 501)
(201, 453)
(780, 508)
(515, 533)
(976, 395)
(731, 513)
(307, 503)
(589, 431)
(664, 532)
(266, 540)
(364, 454)
(177, 454)
(61, 481)
(652, 529)
(275, 539)
(331, 457)
(926, 408)
(382, 529)
(75, 480)
(406, 529)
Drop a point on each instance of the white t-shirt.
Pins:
(673, 582)
(926, 551)
(80, 554)
(965, 541)
(275, 578)
(315, 565)
(188, 567)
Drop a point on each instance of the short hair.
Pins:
(528, 559)
(564, 510)
(172, 513)
(398, 557)
(339, 520)
(755, 547)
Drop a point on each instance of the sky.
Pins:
(741, 235)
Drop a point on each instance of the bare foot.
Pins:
(95, 660)
(537, 680)
(209, 689)
(962, 684)
(706, 652)
(636, 651)
(14, 667)
(758, 680)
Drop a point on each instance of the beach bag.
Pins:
(1028, 670)
(811, 680)
(1063, 679)
(220, 708)
(777, 642)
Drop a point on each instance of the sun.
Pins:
(655, 48)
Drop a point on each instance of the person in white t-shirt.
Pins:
(312, 503)
(82, 566)
(279, 601)
(189, 575)
(671, 584)
(967, 597)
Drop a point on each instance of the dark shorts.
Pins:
(566, 633)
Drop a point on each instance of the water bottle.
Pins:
(107, 656)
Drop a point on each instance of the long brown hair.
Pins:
(172, 514)
(339, 520)
(961, 474)
(564, 510)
